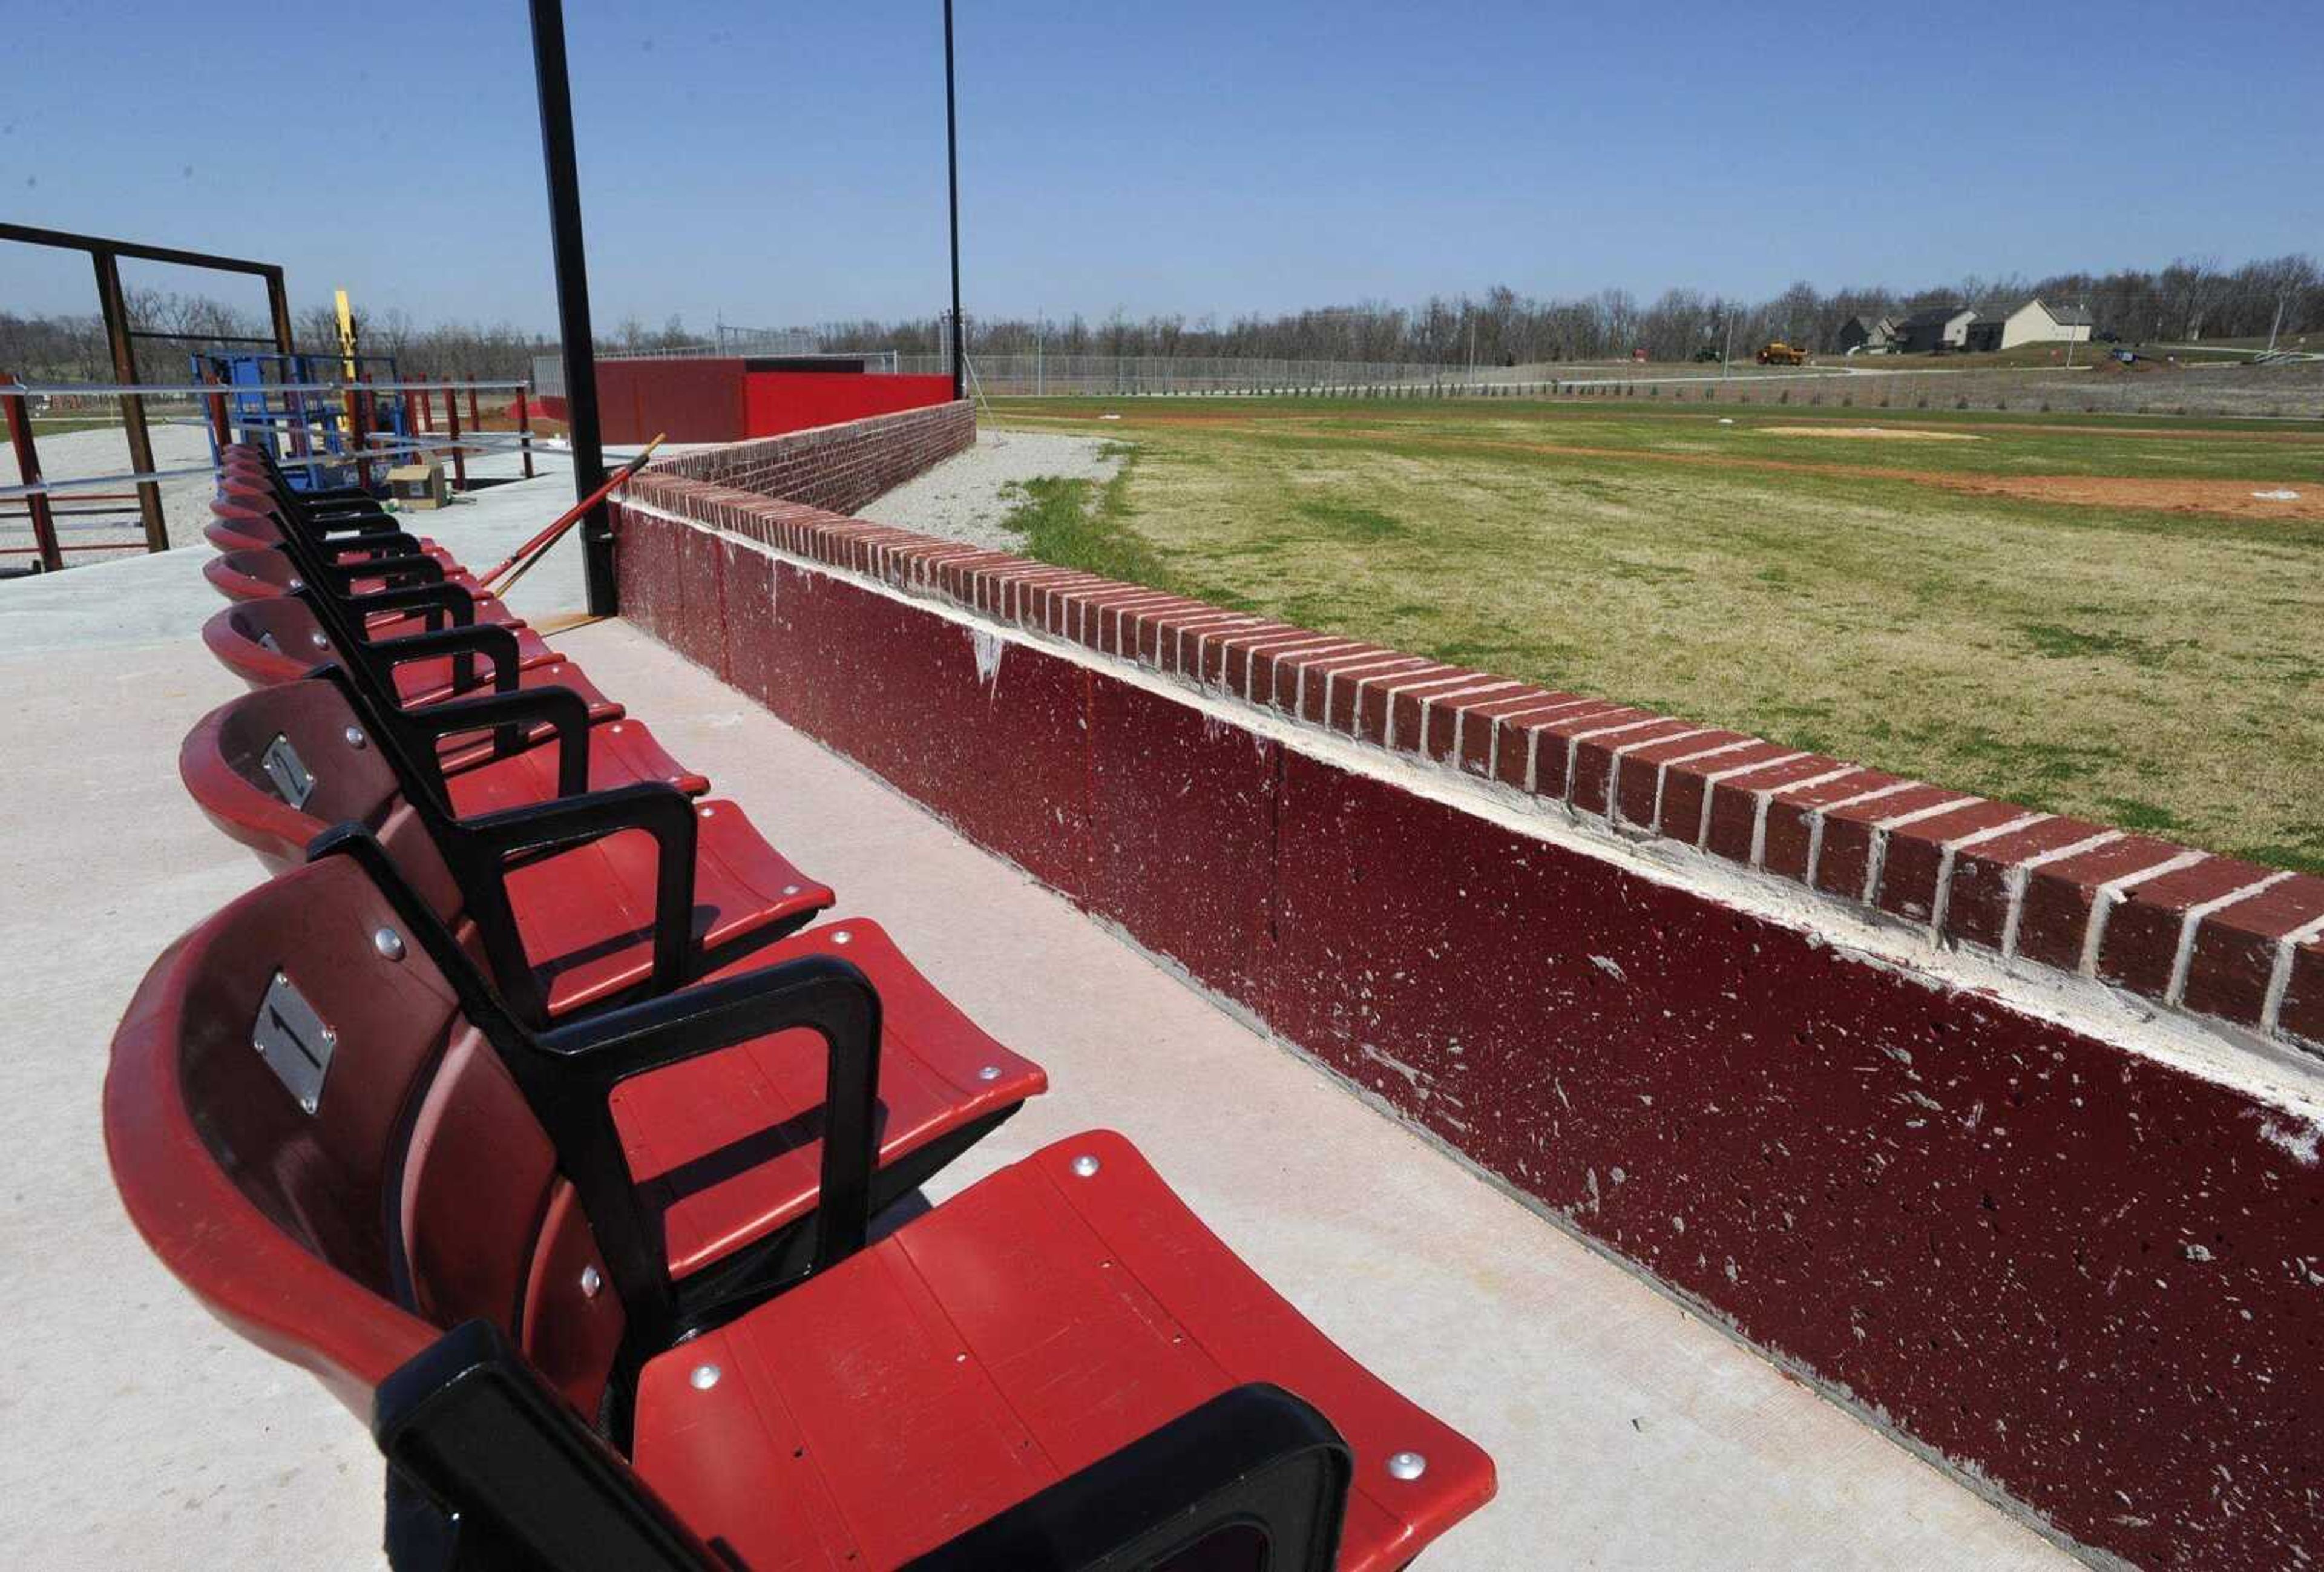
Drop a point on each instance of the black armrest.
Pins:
(445, 602)
(339, 547)
(561, 708)
(379, 533)
(492, 639)
(509, 1475)
(655, 806)
(329, 512)
(568, 1076)
(823, 993)
(1255, 1464)
(416, 568)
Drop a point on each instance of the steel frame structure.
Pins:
(105, 254)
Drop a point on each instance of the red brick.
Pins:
(1007, 588)
(1056, 601)
(2234, 949)
(2054, 916)
(1686, 788)
(1977, 908)
(957, 575)
(1088, 623)
(1845, 857)
(1264, 658)
(1314, 679)
(1791, 813)
(1282, 673)
(1031, 605)
(1516, 733)
(2302, 1016)
(1550, 741)
(1173, 642)
(1481, 721)
(1442, 720)
(2140, 946)
(1138, 631)
(1407, 707)
(1639, 776)
(1237, 648)
(1735, 802)
(1348, 697)
(1118, 624)
(1217, 653)
(1591, 780)
(1916, 856)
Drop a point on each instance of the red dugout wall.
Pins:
(732, 399)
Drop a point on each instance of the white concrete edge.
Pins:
(2273, 1073)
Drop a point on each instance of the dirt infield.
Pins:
(2227, 498)
(1872, 433)
(2214, 498)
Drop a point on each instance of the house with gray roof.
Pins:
(1935, 329)
(2007, 324)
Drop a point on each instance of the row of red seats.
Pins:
(523, 1106)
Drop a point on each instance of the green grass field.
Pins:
(2022, 606)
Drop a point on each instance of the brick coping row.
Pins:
(2195, 933)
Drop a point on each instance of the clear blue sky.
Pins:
(783, 163)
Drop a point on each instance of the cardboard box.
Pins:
(416, 486)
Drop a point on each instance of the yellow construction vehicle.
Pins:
(1776, 352)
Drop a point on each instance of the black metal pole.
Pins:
(573, 297)
(952, 170)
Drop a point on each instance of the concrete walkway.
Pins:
(1628, 1432)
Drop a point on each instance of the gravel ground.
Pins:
(72, 455)
(961, 499)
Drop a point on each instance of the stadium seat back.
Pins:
(278, 765)
(266, 642)
(234, 527)
(264, 574)
(301, 1048)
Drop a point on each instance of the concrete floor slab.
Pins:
(1628, 1432)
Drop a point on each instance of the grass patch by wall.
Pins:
(2156, 670)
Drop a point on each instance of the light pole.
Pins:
(572, 264)
(952, 174)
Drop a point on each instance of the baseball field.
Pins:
(2117, 617)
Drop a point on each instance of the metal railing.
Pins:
(322, 425)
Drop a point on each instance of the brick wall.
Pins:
(839, 468)
(2002, 1128)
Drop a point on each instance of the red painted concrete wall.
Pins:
(2094, 1278)
(710, 399)
(690, 401)
(794, 400)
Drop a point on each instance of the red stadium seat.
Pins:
(238, 526)
(234, 764)
(265, 642)
(270, 575)
(269, 642)
(437, 1211)
(565, 929)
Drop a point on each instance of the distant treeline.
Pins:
(71, 349)
(2192, 300)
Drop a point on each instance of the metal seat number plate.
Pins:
(293, 1041)
(284, 766)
